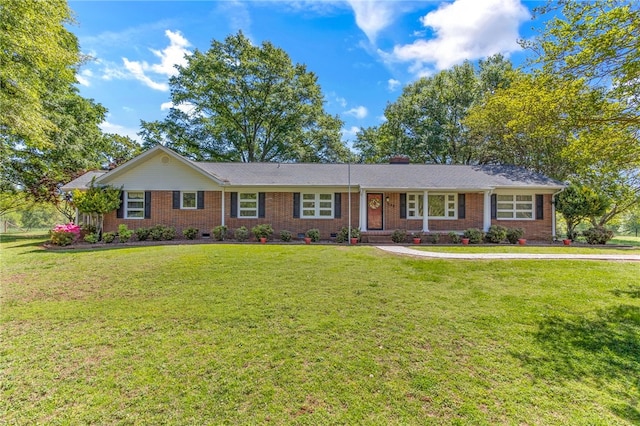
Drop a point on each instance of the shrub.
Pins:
(399, 236)
(434, 238)
(241, 234)
(142, 233)
(343, 235)
(161, 232)
(314, 234)
(514, 234)
(190, 233)
(168, 233)
(285, 235)
(454, 237)
(108, 237)
(219, 232)
(262, 231)
(86, 229)
(474, 235)
(91, 238)
(597, 235)
(124, 233)
(496, 234)
(63, 235)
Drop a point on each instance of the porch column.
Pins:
(222, 208)
(486, 222)
(363, 210)
(425, 211)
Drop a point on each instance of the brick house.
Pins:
(162, 187)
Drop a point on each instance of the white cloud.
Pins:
(393, 84)
(358, 112)
(83, 77)
(372, 16)
(108, 127)
(186, 107)
(351, 132)
(170, 56)
(464, 29)
(237, 16)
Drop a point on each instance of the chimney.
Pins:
(399, 159)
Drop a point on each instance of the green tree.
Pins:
(577, 203)
(240, 102)
(96, 201)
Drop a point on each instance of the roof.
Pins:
(367, 176)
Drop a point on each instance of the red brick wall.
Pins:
(533, 229)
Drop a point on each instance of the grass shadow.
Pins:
(632, 291)
(600, 350)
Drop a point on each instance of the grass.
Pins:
(508, 248)
(254, 334)
(626, 240)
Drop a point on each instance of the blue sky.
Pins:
(362, 51)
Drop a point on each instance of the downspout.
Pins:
(486, 217)
(222, 206)
(553, 213)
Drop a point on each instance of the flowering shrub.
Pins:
(63, 235)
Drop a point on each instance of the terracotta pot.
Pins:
(465, 241)
(567, 242)
(263, 240)
(522, 241)
(307, 240)
(417, 241)
(354, 241)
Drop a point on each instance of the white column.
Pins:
(222, 207)
(363, 210)
(425, 211)
(486, 223)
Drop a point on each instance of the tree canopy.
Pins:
(240, 102)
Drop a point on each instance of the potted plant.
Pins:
(473, 236)
(262, 232)
(312, 235)
(343, 235)
(417, 237)
(514, 235)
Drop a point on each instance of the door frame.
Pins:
(381, 207)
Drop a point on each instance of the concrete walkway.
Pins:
(406, 251)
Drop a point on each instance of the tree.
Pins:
(577, 203)
(96, 201)
(35, 48)
(240, 102)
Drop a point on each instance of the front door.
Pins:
(374, 212)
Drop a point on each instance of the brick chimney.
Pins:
(399, 159)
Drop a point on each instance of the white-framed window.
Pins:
(188, 200)
(317, 206)
(441, 206)
(515, 206)
(248, 204)
(134, 204)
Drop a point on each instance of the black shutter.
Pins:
(337, 205)
(234, 204)
(120, 211)
(261, 204)
(494, 206)
(539, 206)
(296, 204)
(147, 204)
(200, 202)
(461, 206)
(176, 199)
(403, 206)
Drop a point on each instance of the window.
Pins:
(514, 206)
(188, 200)
(134, 204)
(317, 206)
(248, 204)
(441, 206)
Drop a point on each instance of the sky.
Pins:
(363, 52)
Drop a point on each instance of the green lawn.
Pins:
(509, 248)
(278, 334)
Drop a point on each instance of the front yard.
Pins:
(295, 334)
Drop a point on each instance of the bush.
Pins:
(434, 238)
(190, 233)
(474, 235)
(399, 236)
(496, 234)
(63, 235)
(514, 234)
(314, 234)
(86, 229)
(597, 235)
(454, 237)
(142, 233)
(285, 235)
(219, 232)
(343, 235)
(161, 232)
(262, 231)
(108, 237)
(124, 233)
(91, 238)
(241, 234)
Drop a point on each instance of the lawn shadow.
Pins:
(600, 350)
(33, 240)
(633, 291)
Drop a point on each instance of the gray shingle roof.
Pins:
(83, 181)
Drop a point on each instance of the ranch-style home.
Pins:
(162, 187)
